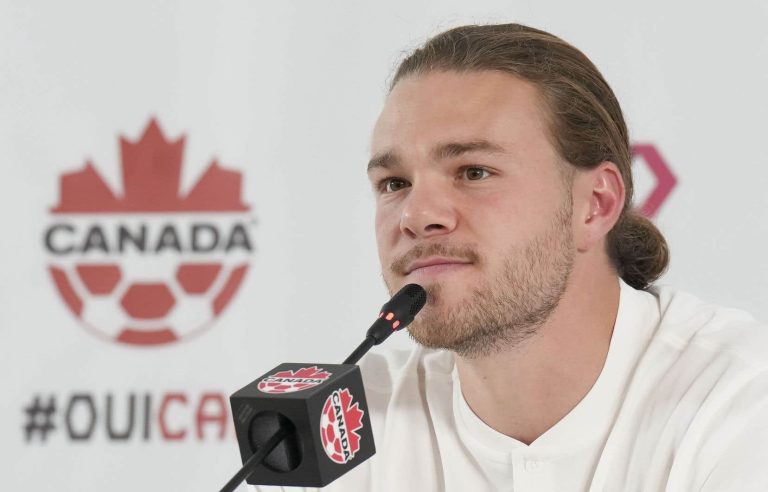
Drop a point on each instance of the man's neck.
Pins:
(524, 390)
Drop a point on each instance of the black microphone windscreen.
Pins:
(406, 303)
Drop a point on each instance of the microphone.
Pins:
(398, 312)
(307, 424)
(395, 315)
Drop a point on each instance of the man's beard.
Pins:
(507, 309)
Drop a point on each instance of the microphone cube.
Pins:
(324, 405)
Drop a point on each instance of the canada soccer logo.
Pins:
(340, 420)
(149, 265)
(292, 381)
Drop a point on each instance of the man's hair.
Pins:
(586, 123)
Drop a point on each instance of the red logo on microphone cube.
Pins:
(292, 381)
(340, 420)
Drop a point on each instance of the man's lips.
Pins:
(434, 264)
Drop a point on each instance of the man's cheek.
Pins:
(382, 248)
(385, 257)
(386, 238)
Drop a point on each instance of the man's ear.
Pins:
(598, 200)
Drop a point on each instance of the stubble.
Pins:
(508, 308)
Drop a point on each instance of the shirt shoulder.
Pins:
(690, 324)
(697, 395)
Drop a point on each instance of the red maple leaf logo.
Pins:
(339, 422)
(160, 307)
(151, 171)
(353, 417)
(305, 372)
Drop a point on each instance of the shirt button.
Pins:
(531, 465)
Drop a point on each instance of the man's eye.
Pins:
(476, 173)
(391, 185)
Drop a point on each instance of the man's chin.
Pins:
(432, 333)
(432, 325)
(426, 336)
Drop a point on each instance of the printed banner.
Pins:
(185, 205)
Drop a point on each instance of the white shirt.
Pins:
(681, 404)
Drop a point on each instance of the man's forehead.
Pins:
(458, 92)
(442, 113)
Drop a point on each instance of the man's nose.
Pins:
(428, 212)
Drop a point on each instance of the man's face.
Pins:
(472, 203)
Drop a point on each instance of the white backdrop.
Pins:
(285, 93)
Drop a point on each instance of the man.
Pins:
(546, 361)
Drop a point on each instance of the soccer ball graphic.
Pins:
(151, 264)
(130, 306)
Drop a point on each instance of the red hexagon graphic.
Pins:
(147, 301)
(99, 279)
(197, 278)
(665, 180)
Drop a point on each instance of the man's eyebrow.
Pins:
(385, 160)
(455, 149)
